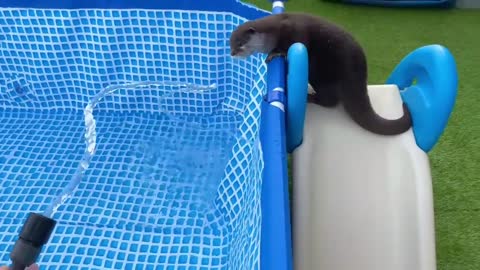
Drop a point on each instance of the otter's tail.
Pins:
(357, 104)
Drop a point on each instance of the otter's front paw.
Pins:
(273, 55)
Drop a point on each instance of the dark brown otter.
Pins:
(337, 63)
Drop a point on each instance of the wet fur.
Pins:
(337, 63)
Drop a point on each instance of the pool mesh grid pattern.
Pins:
(176, 179)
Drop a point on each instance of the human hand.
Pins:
(32, 267)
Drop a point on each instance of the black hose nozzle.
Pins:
(35, 233)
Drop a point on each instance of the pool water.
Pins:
(151, 187)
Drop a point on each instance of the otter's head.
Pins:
(246, 40)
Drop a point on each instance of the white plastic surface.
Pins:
(361, 201)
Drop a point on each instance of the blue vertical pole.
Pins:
(278, 7)
(276, 245)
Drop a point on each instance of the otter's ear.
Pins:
(251, 30)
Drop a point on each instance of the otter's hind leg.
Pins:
(325, 93)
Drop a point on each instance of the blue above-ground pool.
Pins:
(129, 124)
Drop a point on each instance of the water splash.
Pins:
(90, 135)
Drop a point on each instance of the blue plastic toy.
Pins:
(431, 99)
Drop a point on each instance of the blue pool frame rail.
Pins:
(283, 114)
(235, 6)
(275, 254)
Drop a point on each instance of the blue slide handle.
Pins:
(297, 91)
(432, 98)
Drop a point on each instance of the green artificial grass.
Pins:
(389, 34)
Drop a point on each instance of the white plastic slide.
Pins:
(361, 201)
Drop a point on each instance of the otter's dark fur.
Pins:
(337, 63)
